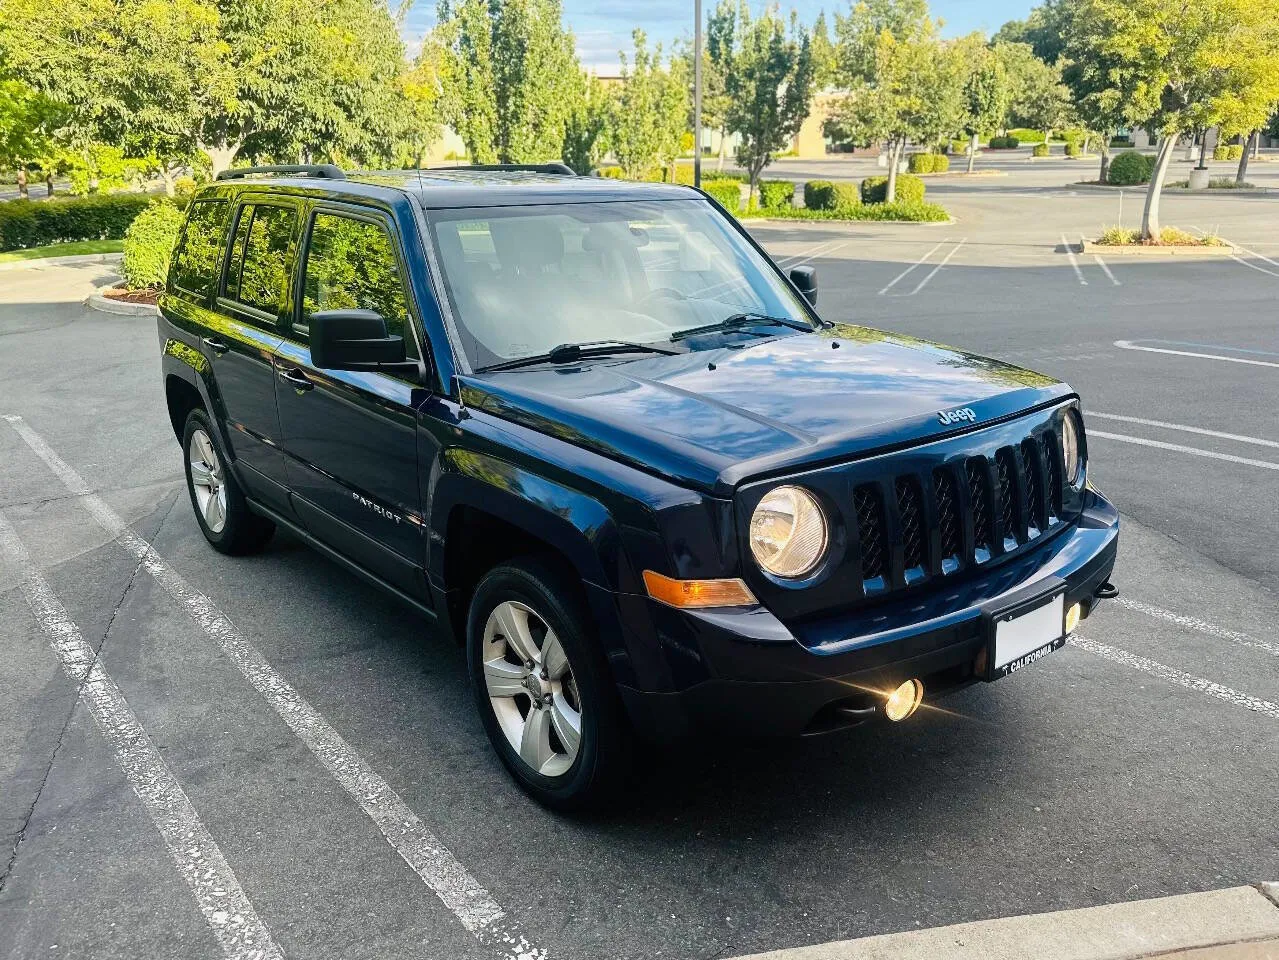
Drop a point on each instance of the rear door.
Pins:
(351, 437)
(244, 333)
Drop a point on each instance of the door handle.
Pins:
(296, 379)
(217, 346)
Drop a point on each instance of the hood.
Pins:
(713, 418)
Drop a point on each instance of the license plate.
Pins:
(1023, 635)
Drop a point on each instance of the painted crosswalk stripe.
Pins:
(227, 910)
(470, 902)
(1179, 677)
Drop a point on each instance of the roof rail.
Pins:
(325, 171)
(561, 169)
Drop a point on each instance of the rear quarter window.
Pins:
(195, 263)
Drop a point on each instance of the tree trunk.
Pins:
(1203, 149)
(1105, 159)
(890, 194)
(723, 144)
(1242, 176)
(166, 174)
(1087, 140)
(972, 152)
(220, 155)
(22, 184)
(48, 183)
(1150, 229)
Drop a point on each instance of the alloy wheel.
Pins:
(531, 688)
(207, 481)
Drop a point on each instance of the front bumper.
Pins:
(742, 671)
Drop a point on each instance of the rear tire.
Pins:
(558, 726)
(220, 508)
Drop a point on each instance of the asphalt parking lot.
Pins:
(330, 769)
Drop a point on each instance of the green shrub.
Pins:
(921, 162)
(1234, 151)
(959, 148)
(1039, 150)
(184, 186)
(1004, 143)
(32, 223)
(1131, 168)
(909, 189)
(727, 192)
(1118, 237)
(1026, 135)
(941, 163)
(148, 246)
(776, 193)
(834, 197)
(1074, 149)
(611, 173)
(1221, 152)
(1074, 135)
(1121, 141)
(916, 211)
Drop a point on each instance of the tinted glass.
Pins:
(351, 264)
(522, 280)
(196, 262)
(259, 259)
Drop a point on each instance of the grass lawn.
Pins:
(63, 250)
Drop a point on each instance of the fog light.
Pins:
(1072, 618)
(904, 701)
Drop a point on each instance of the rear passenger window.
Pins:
(196, 262)
(351, 264)
(258, 269)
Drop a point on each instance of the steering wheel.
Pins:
(662, 293)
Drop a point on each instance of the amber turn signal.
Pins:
(698, 593)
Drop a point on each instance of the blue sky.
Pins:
(603, 27)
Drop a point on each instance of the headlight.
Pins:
(1070, 448)
(788, 532)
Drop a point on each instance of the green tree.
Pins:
(1043, 30)
(586, 132)
(1178, 67)
(28, 122)
(985, 97)
(649, 112)
(721, 27)
(825, 57)
(510, 77)
(1039, 99)
(769, 82)
(889, 58)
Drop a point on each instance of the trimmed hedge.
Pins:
(38, 223)
(776, 193)
(148, 246)
(824, 195)
(1131, 168)
(727, 192)
(941, 163)
(1004, 143)
(920, 212)
(1074, 149)
(1223, 151)
(1039, 150)
(909, 189)
(921, 162)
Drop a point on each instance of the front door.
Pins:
(241, 338)
(350, 438)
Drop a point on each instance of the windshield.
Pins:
(523, 280)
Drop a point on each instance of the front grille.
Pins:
(949, 525)
(870, 528)
(910, 513)
(967, 511)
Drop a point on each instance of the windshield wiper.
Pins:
(739, 320)
(570, 352)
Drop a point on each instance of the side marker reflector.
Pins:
(698, 593)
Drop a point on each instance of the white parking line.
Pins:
(1172, 675)
(1073, 262)
(1253, 266)
(945, 260)
(478, 912)
(901, 276)
(1131, 345)
(814, 255)
(811, 253)
(1200, 626)
(1178, 448)
(228, 911)
(1106, 270)
(1239, 438)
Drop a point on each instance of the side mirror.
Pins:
(356, 340)
(806, 279)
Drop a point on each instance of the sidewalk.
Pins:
(1239, 923)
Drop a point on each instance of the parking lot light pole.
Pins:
(697, 94)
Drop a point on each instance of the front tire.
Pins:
(220, 508)
(542, 686)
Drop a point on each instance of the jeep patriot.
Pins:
(590, 430)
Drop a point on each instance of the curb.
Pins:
(1207, 191)
(120, 307)
(1118, 931)
(70, 261)
(1141, 250)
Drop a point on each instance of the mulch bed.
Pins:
(132, 296)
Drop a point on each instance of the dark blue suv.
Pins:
(589, 428)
